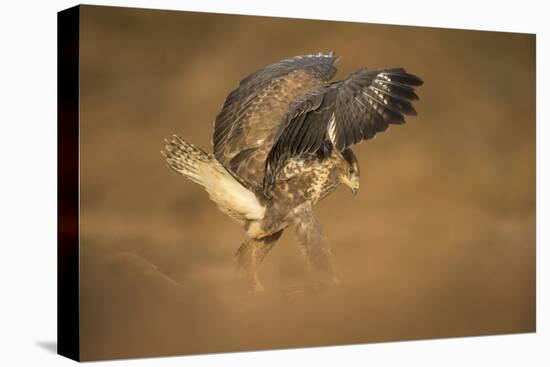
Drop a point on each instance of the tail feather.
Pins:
(203, 168)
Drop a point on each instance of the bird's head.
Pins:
(351, 174)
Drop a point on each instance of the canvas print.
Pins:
(234, 183)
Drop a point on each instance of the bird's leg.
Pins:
(313, 244)
(250, 255)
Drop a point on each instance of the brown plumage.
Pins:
(282, 143)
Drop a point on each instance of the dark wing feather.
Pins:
(343, 113)
(244, 130)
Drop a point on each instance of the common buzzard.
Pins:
(282, 143)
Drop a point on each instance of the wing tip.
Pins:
(417, 80)
(327, 55)
(402, 76)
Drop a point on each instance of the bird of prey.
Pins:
(281, 143)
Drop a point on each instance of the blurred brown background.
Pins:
(440, 241)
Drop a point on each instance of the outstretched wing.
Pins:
(245, 128)
(343, 113)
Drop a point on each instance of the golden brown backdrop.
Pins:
(439, 242)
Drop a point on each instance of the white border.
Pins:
(28, 182)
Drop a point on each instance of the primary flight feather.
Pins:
(282, 143)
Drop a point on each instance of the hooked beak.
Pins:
(354, 191)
